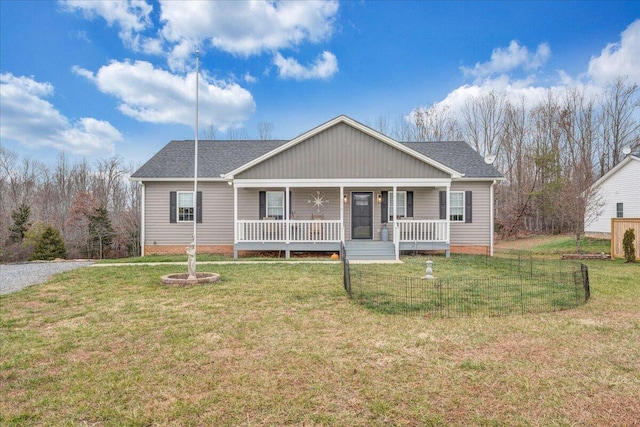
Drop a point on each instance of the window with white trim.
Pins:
(401, 209)
(186, 210)
(619, 210)
(456, 207)
(275, 204)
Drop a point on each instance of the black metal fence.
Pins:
(499, 287)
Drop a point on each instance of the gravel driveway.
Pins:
(14, 277)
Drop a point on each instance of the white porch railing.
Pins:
(289, 231)
(410, 230)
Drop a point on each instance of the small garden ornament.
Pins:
(429, 272)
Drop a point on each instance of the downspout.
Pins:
(492, 218)
(235, 220)
(342, 195)
(142, 215)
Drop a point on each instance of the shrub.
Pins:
(49, 245)
(628, 245)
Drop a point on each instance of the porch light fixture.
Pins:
(379, 198)
(344, 199)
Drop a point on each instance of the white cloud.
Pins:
(153, 95)
(325, 66)
(511, 58)
(249, 78)
(26, 117)
(131, 16)
(248, 28)
(619, 59)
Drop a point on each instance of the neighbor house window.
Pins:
(275, 204)
(401, 209)
(456, 210)
(185, 206)
(619, 210)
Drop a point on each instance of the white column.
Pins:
(287, 203)
(448, 210)
(396, 225)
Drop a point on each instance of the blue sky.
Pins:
(98, 78)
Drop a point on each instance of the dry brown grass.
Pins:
(283, 345)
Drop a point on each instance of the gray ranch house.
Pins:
(339, 183)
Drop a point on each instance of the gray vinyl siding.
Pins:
(217, 215)
(479, 231)
(248, 202)
(341, 152)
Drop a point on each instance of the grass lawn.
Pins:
(282, 344)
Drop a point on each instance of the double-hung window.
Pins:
(456, 209)
(275, 204)
(401, 208)
(186, 210)
(619, 210)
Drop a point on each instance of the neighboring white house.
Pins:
(618, 193)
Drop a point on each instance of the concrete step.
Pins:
(370, 251)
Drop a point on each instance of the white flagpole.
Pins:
(195, 166)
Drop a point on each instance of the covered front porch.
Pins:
(323, 216)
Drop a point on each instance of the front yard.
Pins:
(282, 344)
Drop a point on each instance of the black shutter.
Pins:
(262, 208)
(172, 206)
(443, 205)
(290, 205)
(467, 206)
(384, 207)
(199, 207)
(410, 203)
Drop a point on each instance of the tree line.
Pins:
(550, 154)
(78, 210)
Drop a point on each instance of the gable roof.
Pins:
(630, 158)
(221, 159)
(346, 120)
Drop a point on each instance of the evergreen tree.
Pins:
(20, 223)
(100, 229)
(49, 245)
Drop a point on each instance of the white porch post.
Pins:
(396, 225)
(448, 213)
(287, 203)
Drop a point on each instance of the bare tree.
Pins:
(435, 124)
(237, 133)
(620, 126)
(209, 132)
(483, 122)
(264, 130)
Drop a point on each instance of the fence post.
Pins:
(585, 281)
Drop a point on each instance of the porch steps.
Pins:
(370, 250)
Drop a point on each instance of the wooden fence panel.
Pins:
(618, 227)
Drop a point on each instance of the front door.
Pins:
(361, 215)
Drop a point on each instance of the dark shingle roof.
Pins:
(458, 155)
(175, 160)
